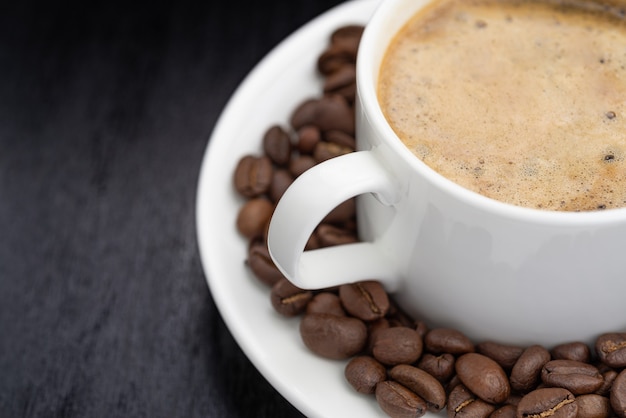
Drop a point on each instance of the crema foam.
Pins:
(521, 101)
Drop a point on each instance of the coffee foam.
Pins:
(521, 102)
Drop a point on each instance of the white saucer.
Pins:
(284, 78)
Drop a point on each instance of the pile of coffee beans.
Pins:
(409, 367)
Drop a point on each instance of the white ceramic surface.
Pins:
(454, 257)
(286, 76)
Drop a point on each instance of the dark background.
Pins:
(105, 113)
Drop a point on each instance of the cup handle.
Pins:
(308, 200)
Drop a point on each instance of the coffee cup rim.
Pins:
(376, 36)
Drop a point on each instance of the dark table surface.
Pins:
(105, 113)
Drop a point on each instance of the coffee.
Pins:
(520, 101)
(409, 367)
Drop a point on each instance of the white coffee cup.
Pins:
(450, 256)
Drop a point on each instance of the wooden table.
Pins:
(105, 113)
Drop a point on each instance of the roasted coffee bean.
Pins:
(289, 300)
(526, 372)
(332, 336)
(341, 138)
(440, 366)
(373, 328)
(350, 225)
(305, 114)
(334, 58)
(253, 175)
(447, 340)
(364, 373)
(611, 349)
(572, 351)
(342, 82)
(398, 401)
(548, 402)
(326, 150)
(464, 404)
(277, 145)
(330, 235)
(313, 242)
(577, 377)
(398, 318)
(308, 137)
(506, 411)
(503, 354)
(617, 395)
(602, 367)
(422, 328)
(365, 300)
(261, 263)
(422, 384)
(608, 377)
(377, 325)
(281, 180)
(301, 164)
(483, 377)
(593, 406)
(325, 302)
(327, 113)
(254, 216)
(513, 399)
(398, 345)
(342, 213)
(452, 383)
(349, 36)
